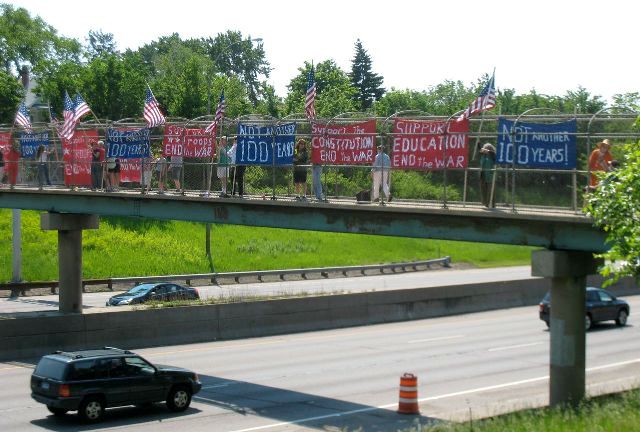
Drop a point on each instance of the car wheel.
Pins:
(91, 409)
(179, 399)
(56, 411)
(587, 322)
(622, 318)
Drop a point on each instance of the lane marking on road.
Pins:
(436, 339)
(443, 396)
(508, 347)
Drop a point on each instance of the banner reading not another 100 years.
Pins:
(537, 145)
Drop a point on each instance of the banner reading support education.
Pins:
(258, 145)
(190, 143)
(429, 145)
(343, 144)
(537, 145)
(128, 143)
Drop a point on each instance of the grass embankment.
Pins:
(130, 247)
(614, 413)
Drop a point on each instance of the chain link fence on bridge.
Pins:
(517, 181)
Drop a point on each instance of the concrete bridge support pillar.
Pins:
(69, 227)
(568, 271)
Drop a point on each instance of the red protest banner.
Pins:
(343, 144)
(429, 145)
(130, 171)
(191, 143)
(76, 154)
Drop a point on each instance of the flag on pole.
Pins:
(54, 121)
(222, 105)
(310, 101)
(68, 113)
(22, 117)
(485, 100)
(152, 114)
(80, 108)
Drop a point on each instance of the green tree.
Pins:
(11, 92)
(27, 41)
(334, 92)
(100, 44)
(368, 83)
(615, 206)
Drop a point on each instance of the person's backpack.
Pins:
(364, 196)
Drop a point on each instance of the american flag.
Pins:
(152, 114)
(81, 108)
(22, 117)
(68, 112)
(485, 100)
(54, 121)
(222, 105)
(310, 102)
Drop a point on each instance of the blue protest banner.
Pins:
(128, 143)
(256, 144)
(29, 143)
(537, 145)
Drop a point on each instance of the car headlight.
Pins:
(125, 301)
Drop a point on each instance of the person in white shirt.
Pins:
(380, 174)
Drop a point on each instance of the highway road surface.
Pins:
(471, 365)
(436, 277)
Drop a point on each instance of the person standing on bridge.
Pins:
(223, 166)
(300, 160)
(237, 174)
(43, 166)
(175, 167)
(380, 174)
(599, 161)
(487, 170)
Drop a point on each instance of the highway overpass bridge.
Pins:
(568, 237)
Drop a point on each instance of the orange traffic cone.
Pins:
(408, 403)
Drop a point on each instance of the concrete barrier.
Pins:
(32, 335)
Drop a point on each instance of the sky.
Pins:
(552, 46)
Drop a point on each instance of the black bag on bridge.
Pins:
(364, 196)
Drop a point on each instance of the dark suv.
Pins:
(90, 381)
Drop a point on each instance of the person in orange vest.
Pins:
(599, 161)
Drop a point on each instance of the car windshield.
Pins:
(140, 289)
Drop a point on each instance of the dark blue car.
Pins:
(601, 306)
(163, 291)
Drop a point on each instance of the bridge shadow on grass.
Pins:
(238, 406)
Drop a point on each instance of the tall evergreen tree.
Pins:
(368, 83)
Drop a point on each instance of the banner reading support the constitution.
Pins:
(343, 144)
(429, 145)
(537, 145)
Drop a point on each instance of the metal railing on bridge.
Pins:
(557, 179)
